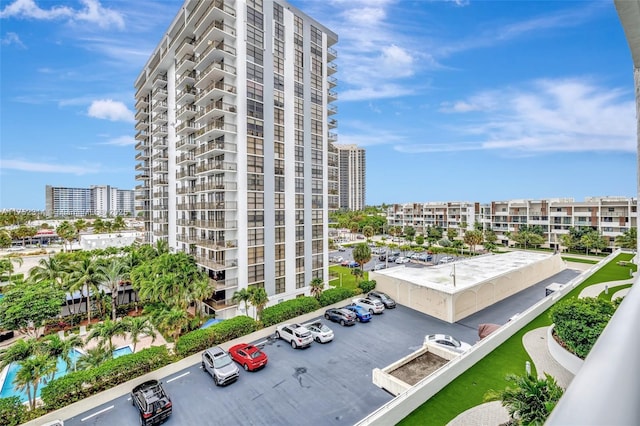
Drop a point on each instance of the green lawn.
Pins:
(469, 388)
(580, 260)
(348, 279)
(612, 291)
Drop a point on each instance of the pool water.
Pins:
(8, 389)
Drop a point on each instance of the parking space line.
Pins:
(177, 377)
(96, 413)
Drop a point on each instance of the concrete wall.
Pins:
(402, 405)
(563, 356)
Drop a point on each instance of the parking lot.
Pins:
(323, 384)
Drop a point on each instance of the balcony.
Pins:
(186, 158)
(216, 186)
(216, 205)
(142, 114)
(332, 54)
(214, 90)
(142, 125)
(185, 222)
(216, 265)
(332, 68)
(186, 128)
(215, 245)
(142, 135)
(142, 176)
(332, 95)
(186, 112)
(217, 224)
(215, 129)
(213, 71)
(160, 118)
(186, 143)
(217, 31)
(159, 130)
(216, 166)
(186, 190)
(216, 9)
(333, 123)
(213, 148)
(159, 142)
(186, 47)
(161, 180)
(185, 63)
(141, 166)
(186, 95)
(186, 79)
(142, 102)
(332, 109)
(185, 175)
(141, 156)
(160, 194)
(159, 106)
(226, 284)
(160, 93)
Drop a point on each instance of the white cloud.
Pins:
(93, 12)
(121, 141)
(568, 115)
(383, 91)
(31, 166)
(110, 110)
(12, 38)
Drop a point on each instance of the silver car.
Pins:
(297, 335)
(218, 363)
(320, 332)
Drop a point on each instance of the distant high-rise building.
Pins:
(352, 176)
(235, 157)
(99, 200)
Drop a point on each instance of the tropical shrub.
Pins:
(289, 309)
(367, 286)
(12, 411)
(334, 295)
(82, 384)
(199, 340)
(579, 322)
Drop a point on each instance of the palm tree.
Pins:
(111, 275)
(368, 232)
(242, 295)
(172, 321)
(80, 225)
(317, 285)
(93, 358)
(259, 299)
(34, 370)
(67, 232)
(85, 274)
(137, 326)
(62, 348)
(629, 239)
(361, 254)
(531, 400)
(105, 332)
(18, 351)
(119, 224)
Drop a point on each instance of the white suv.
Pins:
(297, 335)
(372, 305)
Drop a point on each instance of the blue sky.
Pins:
(453, 100)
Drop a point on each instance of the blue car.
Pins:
(353, 264)
(362, 314)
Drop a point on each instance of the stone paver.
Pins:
(596, 289)
(621, 293)
(487, 414)
(536, 345)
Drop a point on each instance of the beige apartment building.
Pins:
(235, 152)
(610, 216)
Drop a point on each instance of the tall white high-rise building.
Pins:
(352, 176)
(236, 164)
(97, 200)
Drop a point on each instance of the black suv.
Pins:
(388, 302)
(152, 401)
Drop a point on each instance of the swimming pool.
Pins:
(8, 389)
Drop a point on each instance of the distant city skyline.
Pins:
(452, 100)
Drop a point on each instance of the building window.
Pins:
(256, 273)
(255, 182)
(255, 255)
(255, 236)
(280, 285)
(255, 200)
(255, 218)
(300, 280)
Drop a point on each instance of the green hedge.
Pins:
(12, 411)
(201, 339)
(367, 286)
(289, 309)
(334, 295)
(82, 384)
(579, 322)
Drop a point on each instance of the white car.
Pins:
(372, 305)
(447, 259)
(320, 332)
(447, 342)
(297, 335)
(402, 259)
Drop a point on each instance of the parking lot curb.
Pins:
(103, 397)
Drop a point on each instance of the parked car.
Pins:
(372, 305)
(362, 315)
(297, 335)
(353, 264)
(339, 259)
(320, 332)
(402, 260)
(392, 259)
(152, 402)
(342, 248)
(425, 257)
(447, 342)
(382, 257)
(379, 266)
(447, 259)
(344, 263)
(219, 364)
(342, 316)
(387, 301)
(250, 357)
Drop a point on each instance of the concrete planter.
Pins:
(561, 355)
